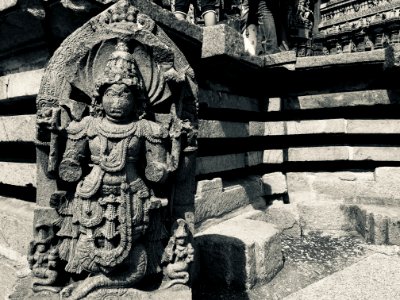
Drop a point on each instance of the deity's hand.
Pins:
(156, 171)
(70, 170)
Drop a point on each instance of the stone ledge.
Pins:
(19, 174)
(239, 253)
(382, 57)
(18, 128)
(11, 87)
(225, 100)
(343, 99)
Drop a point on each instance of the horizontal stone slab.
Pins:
(266, 128)
(344, 99)
(373, 126)
(327, 153)
(18, 174)
(20, 84)
(220, 163)
(239, 253)
(353, 153)
(5, 4)
(18, 128)
(226, 100)
(380, 56)
(222, 129)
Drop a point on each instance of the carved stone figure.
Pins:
(116, 119)
(178, 255)
(43, 259)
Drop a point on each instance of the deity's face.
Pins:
(180, 241)
(118, 102)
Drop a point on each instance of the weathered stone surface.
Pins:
(16, 217)
(274, 104)
(219, 163)
(285, 217)
(377, 224)
(239, 253)
(367, 279)
(327, 153)
(18, 128)
(254, 158)
(273, 156)
(221, 40)
(218, 99)
(373, 126)
(20, 174)
(7, 4)
(20, 84)
(376, 153)
(320, 216)
(286, 59)
(370, 57)
(274, 183)
(266, 128)
(213, 199)
(358, 98)
(315, 126)
(222, 129)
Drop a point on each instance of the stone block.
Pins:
(18, 128)
(286, 59)
(274, 104)
(327, 153)
(369, 97)
(213, 200)
(224, 99)
(219, 163)
(370, 57)
(19, 174)
(221, 40)
(7, 4)
(285, 217)
(11, 85)
(222, 129)
(274, 183)
(273, 156)
(239, 253)
(16, 219)
(320, 216)
(266, 128)
(254, 158)
(373, 126)
(376, 153)
(387, 175)
(315, 126)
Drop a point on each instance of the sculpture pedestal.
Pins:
(23, 291)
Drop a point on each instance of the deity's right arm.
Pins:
(70, 169)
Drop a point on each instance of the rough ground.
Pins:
(308, 259)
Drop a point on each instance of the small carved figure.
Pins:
(304, 13)
(178, 255)
(42, 259)
(339, 49)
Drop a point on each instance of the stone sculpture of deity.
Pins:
(116, 115)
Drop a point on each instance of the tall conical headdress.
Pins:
(120, 68)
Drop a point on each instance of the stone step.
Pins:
(11, 87)
(239, 253)
(377, 224)
(375, 277)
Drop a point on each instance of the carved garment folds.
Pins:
(116, 116)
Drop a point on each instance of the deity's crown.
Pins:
(120, 68)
